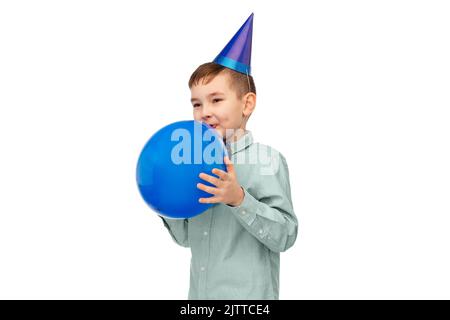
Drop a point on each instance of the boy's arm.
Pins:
(270, 215)
(178, 229)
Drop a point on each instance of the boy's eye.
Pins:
(217, 100)
(196, 105)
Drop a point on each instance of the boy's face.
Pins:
(217, 104)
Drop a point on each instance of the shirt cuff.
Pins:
(246, 211)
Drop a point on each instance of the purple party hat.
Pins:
(237, 53)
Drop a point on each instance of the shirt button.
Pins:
(243, 212)
(202, 269)
(260, 231)
(205, 233)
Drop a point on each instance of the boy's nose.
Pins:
(206, 114)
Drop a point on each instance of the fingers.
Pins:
(222, 174)
(208, 189)
(209, 200)
(209, 178)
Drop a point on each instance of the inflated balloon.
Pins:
(170, 163)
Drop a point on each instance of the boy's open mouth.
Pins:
(213, 125)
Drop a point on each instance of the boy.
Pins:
(235, 244)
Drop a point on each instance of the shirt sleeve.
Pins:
(178, 229)
(268, 213)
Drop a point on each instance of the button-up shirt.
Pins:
(236, 250)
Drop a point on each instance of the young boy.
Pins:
(235, 244)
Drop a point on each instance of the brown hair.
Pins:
(239, 82)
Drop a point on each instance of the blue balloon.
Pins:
(170, 163)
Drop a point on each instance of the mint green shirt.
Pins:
(236, 250)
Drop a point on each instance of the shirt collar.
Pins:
(241, 144)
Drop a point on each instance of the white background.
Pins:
(355, 94)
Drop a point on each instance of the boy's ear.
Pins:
(250, 103)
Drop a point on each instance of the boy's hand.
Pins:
(227, 188)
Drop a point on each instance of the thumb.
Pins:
(229, 164)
